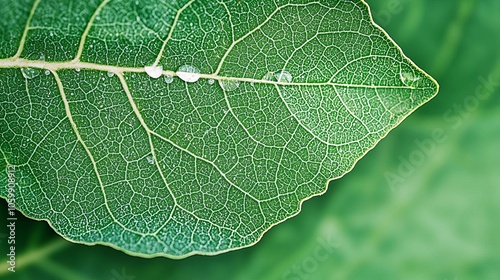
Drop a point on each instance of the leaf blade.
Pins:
(177, 169)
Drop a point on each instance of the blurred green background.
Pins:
(416, 207)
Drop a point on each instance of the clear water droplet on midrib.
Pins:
(280, 77)
(188, 73)
(269, 76)
(284, 77)
(229, 85)
(153, 71)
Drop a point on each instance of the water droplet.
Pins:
(42, 57)
(30, 73)
(168, 79)
(211, 82)
(269, 76)
(47, 72)
(154, 71)
(110, 74)
(284, 77)
(188, 73)
(150, 160)
(229, 85)
(77, 69)
(281, 77)
(408, 78)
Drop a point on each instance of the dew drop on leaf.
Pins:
(284, 77)
(110, 74)
(281, 76)
(408, 78)
(153, 71)
(211, 82)
(269, 76)
(150, 160)
(30, 73)
(77, 69)
(229, 85)
(47, 72)
(168, 79)
(188, 73)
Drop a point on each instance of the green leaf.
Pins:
(190, 127)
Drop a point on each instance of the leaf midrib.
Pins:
(55, 66)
